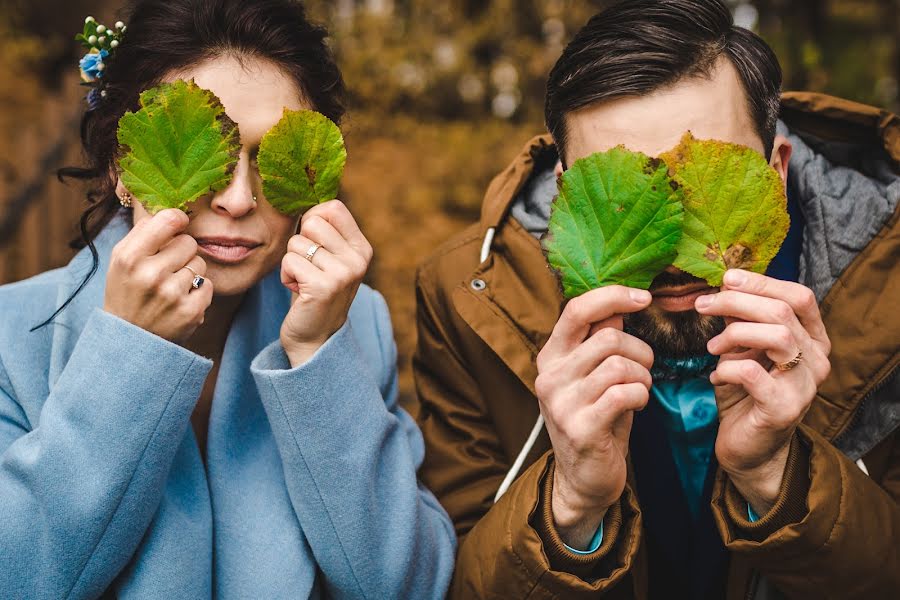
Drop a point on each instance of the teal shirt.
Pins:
(690, 417)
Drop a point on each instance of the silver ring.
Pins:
(312, 251)
(197, 281)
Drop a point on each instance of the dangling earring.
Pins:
(125, 200)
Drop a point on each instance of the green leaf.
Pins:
(178, 147)
(616, 221)
(301, 161)
(735, 208)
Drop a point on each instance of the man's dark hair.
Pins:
(638, 46)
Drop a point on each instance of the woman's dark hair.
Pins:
(170, 35)
(638, 46)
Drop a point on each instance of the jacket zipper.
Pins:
(857, 415)
(752, 585)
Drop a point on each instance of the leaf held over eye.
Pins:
(301, 161)
(735, 208)
(178, 147)
(616, 220)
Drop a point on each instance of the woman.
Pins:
(167, 437)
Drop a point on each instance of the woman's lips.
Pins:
(226, 250)
(681, 298)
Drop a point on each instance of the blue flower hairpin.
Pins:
(101, 42)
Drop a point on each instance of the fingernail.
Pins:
(704, 301)
(735, 277)
(640, 296)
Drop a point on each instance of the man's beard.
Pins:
(674, 335)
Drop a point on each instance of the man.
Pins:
(698, 443)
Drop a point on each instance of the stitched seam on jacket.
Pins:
(130, 480)
(318, 491)
(494, 308)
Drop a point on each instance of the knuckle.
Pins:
(608, 338)
(806, 299)
(783, 336)
(616, 366)
(574, 310)
(783, 312)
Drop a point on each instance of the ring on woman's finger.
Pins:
(312, 251)
(197, 281)
(791, 363)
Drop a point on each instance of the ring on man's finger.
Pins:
(791, 363)
(197, 281)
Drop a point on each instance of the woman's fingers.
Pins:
(337, 214)
(323, 259)
(148, 236)
(295, 270)
(320, 231)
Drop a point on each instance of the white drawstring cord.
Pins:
(486, 246)
(520, 459)
(862, 466)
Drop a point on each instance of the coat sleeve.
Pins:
(509, 549)
(833, 533)
(80, 484)
(350, 455)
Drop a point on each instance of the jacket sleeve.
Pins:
(79, 486)
(509, 549)
(833, 532)
(350, 455)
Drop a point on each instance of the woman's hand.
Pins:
(325, 285)
(149, 284)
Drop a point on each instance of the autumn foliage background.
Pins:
(443, 96)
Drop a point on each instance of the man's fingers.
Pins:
(613, 371)
(606, 343)
(776, 341)
(148, 236)
(756, 309)
(619, 399)
(589, 308)
(779, 410)
(799, 297)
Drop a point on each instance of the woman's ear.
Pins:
(781, 156)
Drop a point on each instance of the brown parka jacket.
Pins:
(487, 302)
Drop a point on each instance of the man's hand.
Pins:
(591, 377)
(769, 322)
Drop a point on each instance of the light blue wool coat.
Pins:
(310, 488)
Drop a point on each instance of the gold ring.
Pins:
(791, 363)
(312, 251)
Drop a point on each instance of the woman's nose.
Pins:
(236, 200)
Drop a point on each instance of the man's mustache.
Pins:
(667, 279)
